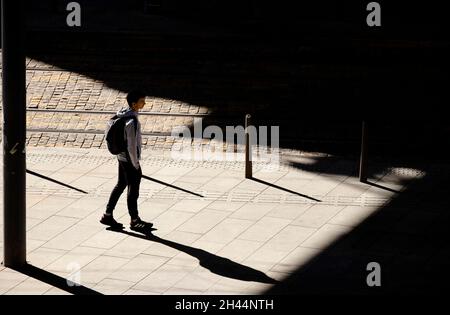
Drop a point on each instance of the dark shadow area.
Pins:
(284, 189)
(407, 237)
(350, 166)
(216, 264)
(55, 181)
(54, 280)
(314, 69)
(171, 186)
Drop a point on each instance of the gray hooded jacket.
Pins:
(133, 136)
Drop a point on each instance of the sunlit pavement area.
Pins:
(225, 234)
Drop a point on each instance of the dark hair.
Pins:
(134, 96)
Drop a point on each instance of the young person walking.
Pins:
(130, 172)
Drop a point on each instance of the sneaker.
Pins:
(109, 220)
(138, 224)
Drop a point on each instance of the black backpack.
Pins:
(115, 137)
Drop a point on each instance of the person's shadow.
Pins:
(219, 265)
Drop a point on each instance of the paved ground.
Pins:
(240, 236)
(255, 232)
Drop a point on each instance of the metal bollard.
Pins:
(248, 149)
(363, 164)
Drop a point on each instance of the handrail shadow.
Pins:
(216, 264)
(171, 186)
(54, 280)
(284, 189)
(55, 181)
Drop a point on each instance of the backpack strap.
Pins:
(135, 121)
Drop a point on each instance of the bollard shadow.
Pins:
(381, 187)
(55, 181)
(284, 189)
(54, 280)
(216, 264)
(171, 186)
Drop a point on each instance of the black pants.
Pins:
(131, 177)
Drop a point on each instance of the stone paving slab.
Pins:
(234, 224)
(295, 259)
